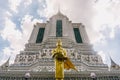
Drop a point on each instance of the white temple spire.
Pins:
(113, 64)
(5, 65)
(59, 10)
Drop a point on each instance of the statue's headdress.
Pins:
(59, 43)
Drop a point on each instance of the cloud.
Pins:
(27, 2)
(17, 21)
(13, 4)
(16, 38)
(111, 45)
(107, 15)
(105, 22)
(102, 54)
(10, 33)
(4, 4)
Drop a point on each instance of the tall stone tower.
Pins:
(37, 53)
(36, 59)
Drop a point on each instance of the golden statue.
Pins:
(61, 61)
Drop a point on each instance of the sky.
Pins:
(100, 17)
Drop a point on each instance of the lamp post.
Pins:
(93, 76)
(27, 75)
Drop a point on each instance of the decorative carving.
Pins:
(95, 59)
(22, 58)
(87, 58)
(43, 55)
(30, 58)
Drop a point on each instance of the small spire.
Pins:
(113, 64)
(5, 65)
(59, 8)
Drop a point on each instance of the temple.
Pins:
(36, 59)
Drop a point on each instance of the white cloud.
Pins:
(12, 34)
(41, 12)
(7, 51)
(107, 13)
(51, 7)
(112, 33)
(105, 57)
(17, 38)
(106, 20)
(27, 26)
(27, 2)
(8, 14)
(14, 4)
(9, 28)
(2, 61)
(102, 54)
